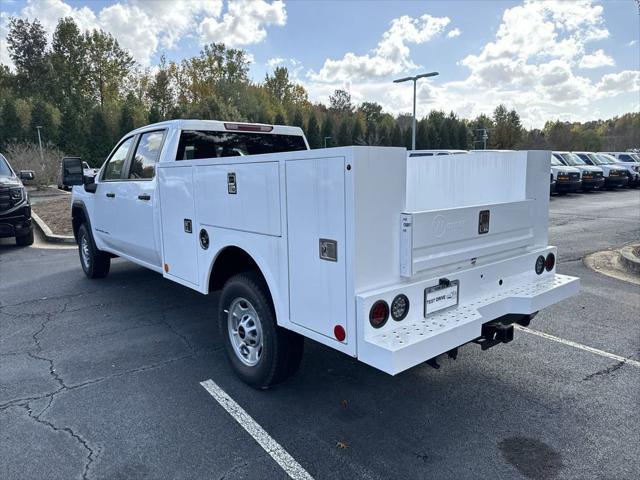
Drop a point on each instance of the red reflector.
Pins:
(379, 314)
(550, 262)
(339, 333)
(248, 127)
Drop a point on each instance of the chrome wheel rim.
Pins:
(245, 331)
(84, 252)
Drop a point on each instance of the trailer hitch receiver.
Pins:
(493, 333)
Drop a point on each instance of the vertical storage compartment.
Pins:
(315, 214)
(179, 246)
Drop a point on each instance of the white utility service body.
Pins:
(335, 230)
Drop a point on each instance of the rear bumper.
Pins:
(16, 223)
(398, 346)
(568, 186)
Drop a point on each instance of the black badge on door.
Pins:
(187, 225)
(232, 186)
(483, 222)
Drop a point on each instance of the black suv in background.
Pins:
(15, 209)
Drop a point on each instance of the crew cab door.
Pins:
(135, 225)
(108, 197)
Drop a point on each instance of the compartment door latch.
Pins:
(328, 250)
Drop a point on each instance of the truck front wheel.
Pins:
(25, 240)
(261, 353)
(95, 263)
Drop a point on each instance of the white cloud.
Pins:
(143, 26)
(616, 83)
(632, 43)
(244, 22)
(391, 56)
(596, 59)
(531, 65)
(453, 33)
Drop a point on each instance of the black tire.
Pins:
(97, 263)
(25, 240)
(281, 350)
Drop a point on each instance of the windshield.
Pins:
(5, 171)
(573, 159)
(200, 144)
(602, 159)
(555, 162)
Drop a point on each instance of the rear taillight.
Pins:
(399, 307)
(550, 262)
(379, 314)
(540, 263)
(248, 127)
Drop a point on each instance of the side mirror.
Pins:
(26, 174)
(72, 172)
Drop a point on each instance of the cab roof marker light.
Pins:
(248, 127)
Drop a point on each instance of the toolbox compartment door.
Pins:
(179, 245)
(315, 211)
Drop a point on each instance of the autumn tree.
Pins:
(340, 102)
(108, 65)
(27, 44)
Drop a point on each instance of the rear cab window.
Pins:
(200, 144)
(147, 154)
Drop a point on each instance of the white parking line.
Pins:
(273, 448)
(586, 348)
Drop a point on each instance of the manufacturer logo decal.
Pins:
(440, 226)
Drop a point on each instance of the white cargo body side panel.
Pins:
(255, 207)
(316, 210)
(179, 248)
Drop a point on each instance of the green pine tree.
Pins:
(313, 132)
(327, 134)
(10, 129)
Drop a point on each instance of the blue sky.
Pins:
(572, 60)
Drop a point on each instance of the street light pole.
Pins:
(415, 81)
(40, 143)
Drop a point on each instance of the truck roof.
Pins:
(222, 126)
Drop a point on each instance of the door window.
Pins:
(115, 165)
(147, 154)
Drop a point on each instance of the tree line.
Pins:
(85, 91)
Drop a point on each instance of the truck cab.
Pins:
(630, 161)
(614, 175)
(567, 179)
(15, 207)
(389, 259)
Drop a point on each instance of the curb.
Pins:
(629, 260)
(48, 234)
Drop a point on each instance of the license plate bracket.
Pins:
(442, 296)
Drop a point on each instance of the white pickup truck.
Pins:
(390, 259)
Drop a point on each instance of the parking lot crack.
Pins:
(178, 334)
(69, 431)
(605, 371)
(37, 354)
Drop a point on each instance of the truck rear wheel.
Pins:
(261, 353)
(95, 263)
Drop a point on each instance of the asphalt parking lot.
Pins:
(101, 379)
